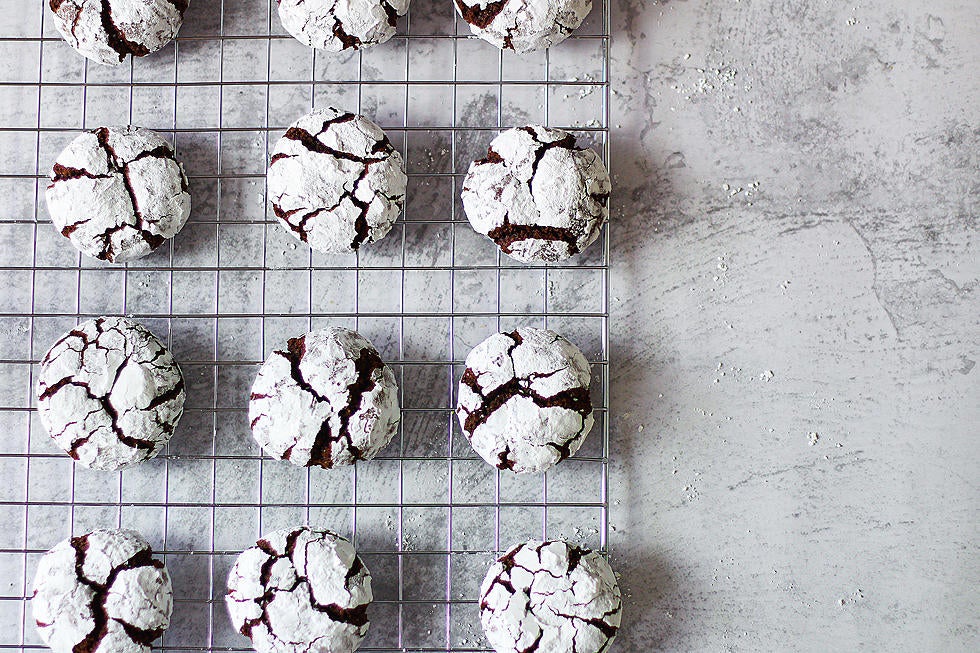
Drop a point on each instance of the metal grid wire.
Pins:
(428, 516)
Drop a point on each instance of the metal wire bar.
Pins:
(428, 515)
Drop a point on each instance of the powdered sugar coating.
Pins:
(108, 30)
(550, 596)
(524, 399)
(300, 591)
(118, 193)
(109, 393)
(327, 399)
(336, 181)
(336, 25)
(523, 25)
(101, 593)
(537, 195)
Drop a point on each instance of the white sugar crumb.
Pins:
(768, 375)
(812, 438)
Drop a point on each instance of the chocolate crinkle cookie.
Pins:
(524, 399)
(108, 30)
(109, 393)
(550, 597)
(101, 593)
(300, 591)
(335, 181)
(523, 25)
(325, 400)
(118, 193)
(537, 195)
(336, 25)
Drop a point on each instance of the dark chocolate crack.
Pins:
(346, 39)
(314, 144)
(100, 616)
(391, 12)
(367, 362)
(356, 616)
(507, 234)
(116, 38)
(480, 17)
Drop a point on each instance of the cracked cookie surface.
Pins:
(325, 400)
(101, 593)
(108, 30)
(300, 591)
(109, 393)
(336, 25)
(537, 195)
(550, 597)
(118, 193)
(335, 181)
(524, 401)
(523, 25)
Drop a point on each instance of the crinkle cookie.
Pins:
(101, 593)
(335, 181)
(524, 399)
(109, 393)
(118, 193)
(550, 596)
(327, 399)
(300, 591)
(537, 195)
(523, 25)
(336, 25)
(107, 30)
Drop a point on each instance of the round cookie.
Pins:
(335, 181)
(109, 393)
(107, 30)
(337, 25)
(524, 399)
(523, 25)
(537, 195)
(101, 593)
(550, 596)
(118, 193)
(326, 400)
(300, 591)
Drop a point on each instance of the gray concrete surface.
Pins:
(795, 325)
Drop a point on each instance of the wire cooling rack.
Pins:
(428, 516)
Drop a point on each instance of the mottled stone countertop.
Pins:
(795, 325)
